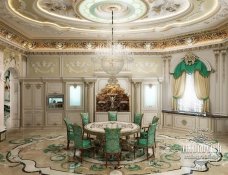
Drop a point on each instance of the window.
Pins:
(191, 85)
(150, 96)
(189, 102)
(75, 96)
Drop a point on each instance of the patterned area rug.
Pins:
(48, 155)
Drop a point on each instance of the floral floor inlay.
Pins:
(48, 155)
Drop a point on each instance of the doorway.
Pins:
(11, 99)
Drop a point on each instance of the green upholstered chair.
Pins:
(155, 120)
(79, 142)
(112, 144)
(144, 133)
(70, 134)
(112, 115)
(138, 119)
(147, 142)
(85, 120)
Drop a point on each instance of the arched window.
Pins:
(191, 85)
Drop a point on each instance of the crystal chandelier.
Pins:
(113, 56)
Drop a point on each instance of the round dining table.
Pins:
(97, 128)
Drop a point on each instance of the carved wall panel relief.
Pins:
(12, 60)
(77, 67)
(43, 67)
(148, 66)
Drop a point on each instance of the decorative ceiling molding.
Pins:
(134, 19)
(11, 38)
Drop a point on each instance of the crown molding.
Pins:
(194, 41)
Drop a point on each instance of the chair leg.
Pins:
(81, 154)
(147, 153)
(119, 157)
(87, 135)
(134, 152)
(68, 143)
(153, 150)
(74, 152)
(94, 150)
(155, 143)
(106, 160)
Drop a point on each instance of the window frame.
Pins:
(81, 106)
(153, 107)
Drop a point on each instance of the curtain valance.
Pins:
(189, 69)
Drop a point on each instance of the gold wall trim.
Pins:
(9, 36)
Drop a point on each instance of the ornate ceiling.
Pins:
(148, 24)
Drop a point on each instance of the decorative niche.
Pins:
(112, 98)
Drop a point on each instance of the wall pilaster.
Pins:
(137, 95)
(217, 82)
(1, 90)
(166, 84)
(221, 84)
(224, 82)
(90, 96)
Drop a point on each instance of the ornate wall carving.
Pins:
(77, 67)
(43, 67)
(47, 45)
(112, 98)
(40, 66)
(12, 59)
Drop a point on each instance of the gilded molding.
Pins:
(58, 46)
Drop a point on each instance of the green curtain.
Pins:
(201, 75)
(189, 69)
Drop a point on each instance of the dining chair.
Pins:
(70, 134)
(144, 133)
(79, 142)
(112, 144)
(112, 115)
(85, 121)
(147, 142)
(138, 120)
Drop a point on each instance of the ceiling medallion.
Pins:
(100, 10)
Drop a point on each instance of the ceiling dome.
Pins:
(146, 24)
(100, 10)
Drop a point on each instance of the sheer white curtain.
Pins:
(189, 101)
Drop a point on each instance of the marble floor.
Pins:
(17, 169)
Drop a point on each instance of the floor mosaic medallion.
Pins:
(48, 155)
